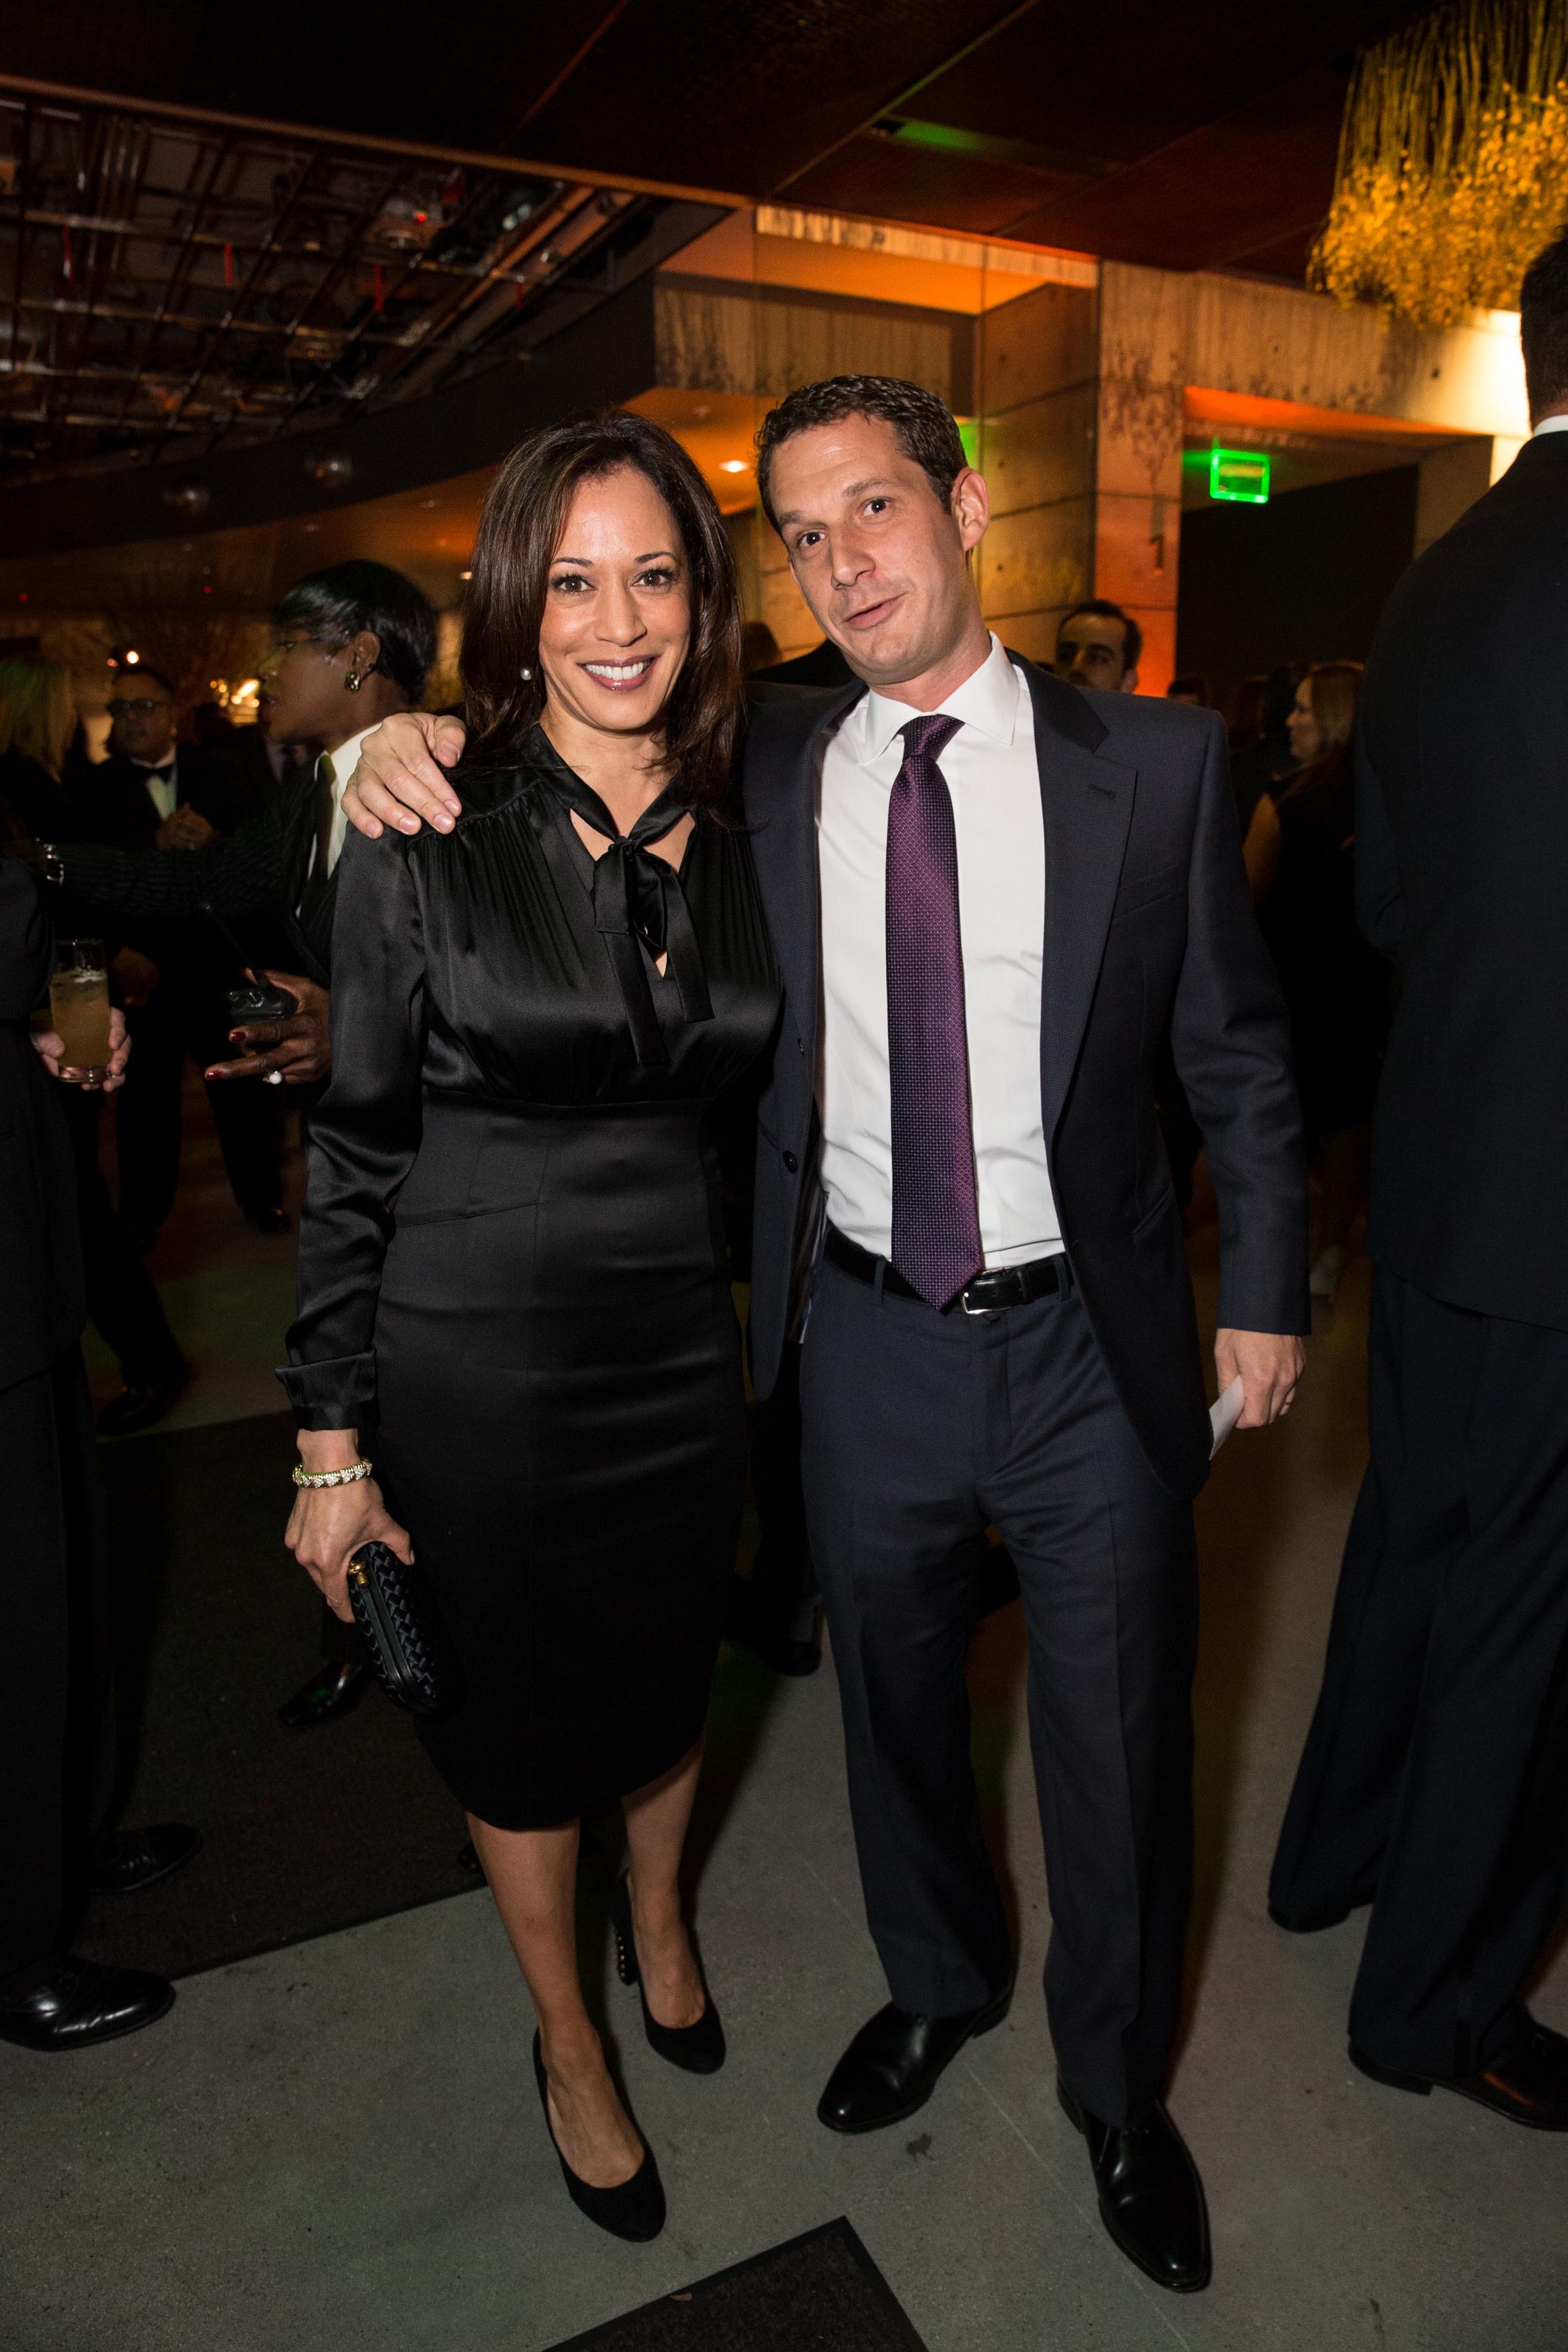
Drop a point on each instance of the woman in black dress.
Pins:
(1300, 861)
(511, 1270)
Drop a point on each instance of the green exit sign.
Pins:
(1239, 474)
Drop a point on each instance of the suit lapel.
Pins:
(781, 808)
(1087, 802)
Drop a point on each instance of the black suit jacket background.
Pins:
(1462, 875)
(258, 869)
(42, 1302)
(1150, 934)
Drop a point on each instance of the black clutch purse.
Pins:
(407, 1643)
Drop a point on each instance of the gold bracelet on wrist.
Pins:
(303, 1477)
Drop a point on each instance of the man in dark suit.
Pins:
(1435, 1781)
(154, 791)
(992, 898)
(57, 1748)
(355, 644)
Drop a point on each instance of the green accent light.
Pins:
(1240, 476)
(969, 433)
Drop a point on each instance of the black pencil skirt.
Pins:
(562, 1430)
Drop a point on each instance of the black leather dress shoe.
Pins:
(76, 2002)
(1531, 2087)
(785, 1657)
(269, 1221)
(136, 1858)
(332, 1691)
(1150, 2199)
(895, 2062)
(141, 1403)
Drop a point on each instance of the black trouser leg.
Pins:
(56, 1756)
(893, 1514)
(147, 1112)
(121, 1296)
(786, 1594)
(1107, 1568)
(1432, 1769)
(341, 1644)
(249, 1115)
(917, 1429)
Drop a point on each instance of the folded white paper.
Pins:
(1224, 1414)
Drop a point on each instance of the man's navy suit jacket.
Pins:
(1150, 935)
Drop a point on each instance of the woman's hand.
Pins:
(297, 1048)
(328, 1524)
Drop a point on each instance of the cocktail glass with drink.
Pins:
(79, 1006)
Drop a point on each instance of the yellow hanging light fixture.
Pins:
(1453, 168)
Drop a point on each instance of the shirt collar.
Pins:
(987, 701)
(345, 760)
(1550, 425)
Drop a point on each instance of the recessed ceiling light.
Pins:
(734, 466)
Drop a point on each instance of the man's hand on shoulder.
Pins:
(398, 782)
(1270, 1364)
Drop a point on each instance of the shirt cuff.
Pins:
(336, 1393)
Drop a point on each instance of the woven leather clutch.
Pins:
(403, 1630)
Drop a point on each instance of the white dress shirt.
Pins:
(344, 760)
(1550, 425)
(164, 792)
(994, 783)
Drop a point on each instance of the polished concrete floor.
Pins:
(339, 2146)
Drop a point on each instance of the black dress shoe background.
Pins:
(895, 2062)
(783, 1654)
(74, 2003)
(141, 1404)
(1150, 2198)
(128, 1859)
(1529, 2087)
(331, 1692)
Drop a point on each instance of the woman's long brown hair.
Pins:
(521, 529)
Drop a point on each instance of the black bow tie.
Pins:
(161, 775)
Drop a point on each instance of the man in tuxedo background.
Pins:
(993, 897)
(1434, 1784)
(154, 790)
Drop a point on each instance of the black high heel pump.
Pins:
(635, 2208)
(699, 2048)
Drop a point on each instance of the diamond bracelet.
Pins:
(303, 1477)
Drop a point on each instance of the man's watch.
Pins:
(51, 865)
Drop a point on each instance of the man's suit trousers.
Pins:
(183, 1018)
(1435, 1778)
(917, 1429)
(57, 1754)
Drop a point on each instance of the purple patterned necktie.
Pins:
(936, 1217)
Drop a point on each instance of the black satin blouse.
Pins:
(481, 967)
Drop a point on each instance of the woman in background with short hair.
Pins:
(1300, 849)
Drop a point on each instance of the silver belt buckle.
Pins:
(963, 1302)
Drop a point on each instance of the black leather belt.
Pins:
(1000, 1287)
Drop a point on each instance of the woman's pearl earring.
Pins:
(353, 681)
(525, 673)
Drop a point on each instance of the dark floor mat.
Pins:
(216, 1626)
(821, 2292)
